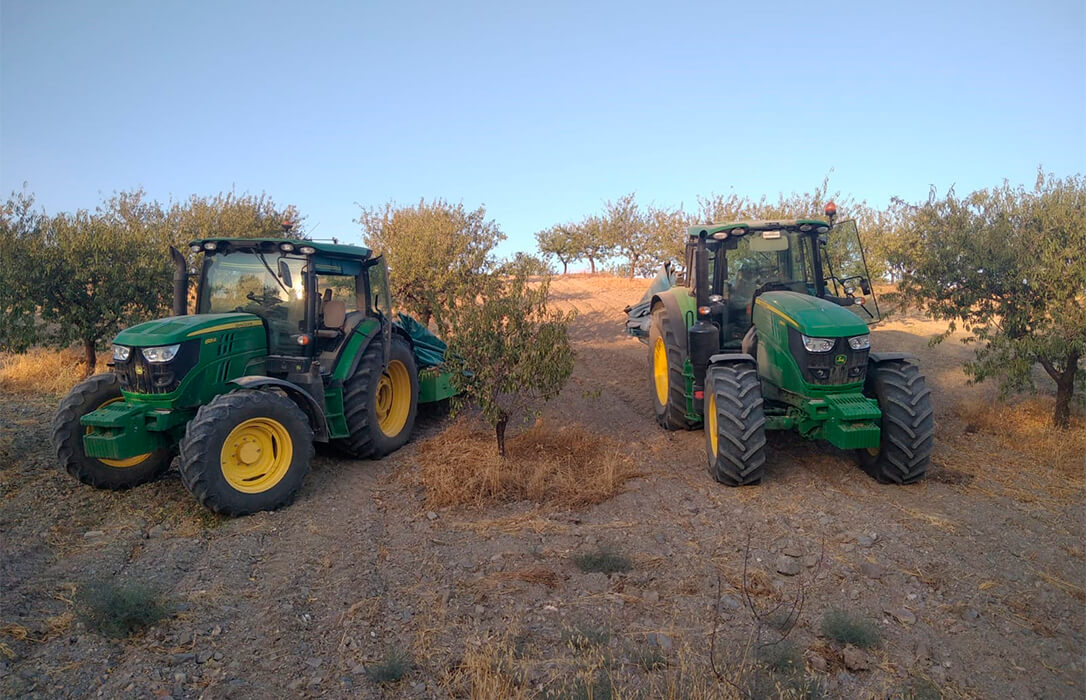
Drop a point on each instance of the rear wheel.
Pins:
(734, 424)
(908, 423)
(380, 404)
(115, 474)
(246, 451)
(666, 381)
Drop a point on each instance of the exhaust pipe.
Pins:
(180, 283)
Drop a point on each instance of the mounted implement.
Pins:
(293, 342)
(754, 340)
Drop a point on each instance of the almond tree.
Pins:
(1009, 266)
(509, 353)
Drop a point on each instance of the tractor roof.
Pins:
(738, 228)
(337, 249)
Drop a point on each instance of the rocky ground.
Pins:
(972, 580)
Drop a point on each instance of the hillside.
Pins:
(973, 579)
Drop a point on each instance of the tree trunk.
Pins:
(89, 356)
(1065, 388)
(633, 266)
(565, 267)
(592, 264)
(499, 428)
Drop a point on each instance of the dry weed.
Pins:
(42, 371)
(1026, 427)
(566, 466)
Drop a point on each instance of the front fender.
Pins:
(297, 394)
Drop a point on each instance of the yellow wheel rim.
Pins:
(129, 462)
(393, 399)
(256, 455)
(659, 370)
(710, 423)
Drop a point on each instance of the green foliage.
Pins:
(603, 559)
(392, 667)
(20, 233)
(783, 657)
(508, 352)
(1009, 265)
(847, 628)
(437, 252)
(230, 215)
(119, 610)
(83, 276)
(561, 241)
(99, 272)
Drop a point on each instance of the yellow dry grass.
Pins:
(567, 466)
(42, 371)
(1026, 427)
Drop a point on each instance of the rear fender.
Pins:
(674, 307)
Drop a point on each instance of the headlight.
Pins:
(121, 353)
(163, 353)
(860, 342)
(817, 344)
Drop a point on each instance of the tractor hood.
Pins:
(177, 329)
(812, 316)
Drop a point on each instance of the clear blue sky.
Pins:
(540, 111)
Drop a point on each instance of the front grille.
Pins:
(824, 368)
(139, 376)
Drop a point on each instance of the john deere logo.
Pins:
(139, 370)
(840, 360)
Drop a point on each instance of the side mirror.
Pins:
(284, 273)
(865, 286)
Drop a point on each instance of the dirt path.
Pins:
(974, 578)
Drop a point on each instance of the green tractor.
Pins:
(293, 342)
(757, 340)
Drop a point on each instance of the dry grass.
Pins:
(42, 371)
(567, 466)
(1026, 427)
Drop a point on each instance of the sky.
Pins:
(539, 111)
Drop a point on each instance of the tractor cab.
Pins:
(746, 259)
(309, 296)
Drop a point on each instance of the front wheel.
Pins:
(115, 474)
(908, 423)
(734, 424)
(380, 403)
(246, 451)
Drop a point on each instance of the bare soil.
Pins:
(973, 578)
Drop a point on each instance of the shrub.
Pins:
(604, 560)
(119, 610)
(846, 628)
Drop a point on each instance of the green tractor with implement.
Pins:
(763, 335)
(293, 342)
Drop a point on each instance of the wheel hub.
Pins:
(249, 451)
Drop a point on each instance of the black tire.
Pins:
(367, 439)
(670, 414)
(733, 406)
(908, 423)
(84, 398)
(217, 477)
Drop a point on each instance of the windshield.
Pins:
(242, 281)
(783, 257)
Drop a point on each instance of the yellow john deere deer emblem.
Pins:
(840, 360)
(139, 369)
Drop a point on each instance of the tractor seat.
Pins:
(337, 325)
(335, 313)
